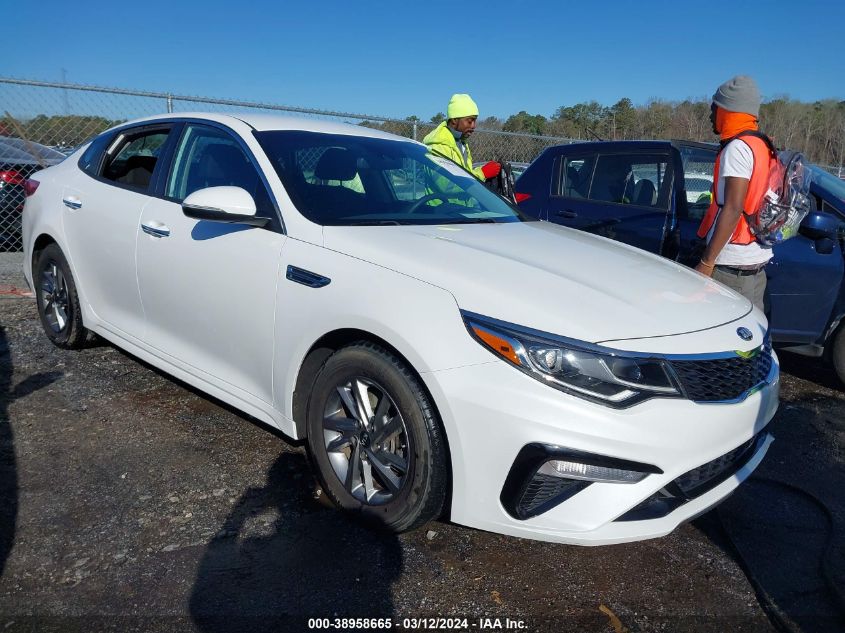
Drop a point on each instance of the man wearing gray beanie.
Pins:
(732, 255)
(739, 94)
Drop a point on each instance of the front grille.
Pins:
(722, 378)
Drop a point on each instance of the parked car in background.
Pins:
(18, 159)
(653, 194)
(436, 350)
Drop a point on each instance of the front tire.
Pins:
(837, 354)
(58, 302)
(376, 440)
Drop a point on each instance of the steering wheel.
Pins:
(427, 198)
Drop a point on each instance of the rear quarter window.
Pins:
(91, 158)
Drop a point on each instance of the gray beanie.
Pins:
(739, 94)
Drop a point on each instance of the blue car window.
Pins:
(630, 179)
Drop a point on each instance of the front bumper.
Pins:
(492, 411)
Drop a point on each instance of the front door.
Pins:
(208, 288)
(804, 284)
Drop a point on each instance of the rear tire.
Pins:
(58, 302)
(375, 439)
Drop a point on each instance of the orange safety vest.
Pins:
(763, 154)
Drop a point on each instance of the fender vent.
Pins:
(307, 278)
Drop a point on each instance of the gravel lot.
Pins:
(130, 502)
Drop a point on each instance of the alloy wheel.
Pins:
(366, 440)
(54, 297)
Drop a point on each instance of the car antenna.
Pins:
(590, 130)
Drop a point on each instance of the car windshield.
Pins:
(829, 182)
(337, 179)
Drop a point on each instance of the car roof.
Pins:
(644, 144)
(265, 122)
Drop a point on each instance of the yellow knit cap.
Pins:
(461, 105)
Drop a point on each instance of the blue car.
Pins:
(653, 194)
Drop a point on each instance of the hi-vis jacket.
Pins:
(441, 141)
(757, 186)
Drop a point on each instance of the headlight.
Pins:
(582, 369)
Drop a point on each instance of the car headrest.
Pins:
(645, 192)
(144, 162)
(336, 163)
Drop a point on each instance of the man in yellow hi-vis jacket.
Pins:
(449, 139)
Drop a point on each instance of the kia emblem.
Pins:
(744, 333)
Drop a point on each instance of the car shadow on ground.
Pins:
(785, 526)
(282, 557)
(8, 461)
(8, 465)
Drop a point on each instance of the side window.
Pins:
(208, 157)
(575, 176)
(698, 179)
(90, 160)
(131, 157)
(638, 179)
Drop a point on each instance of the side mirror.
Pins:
(817, 226)
(231, 205)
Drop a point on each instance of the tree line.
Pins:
(817, 129)
(61, 131)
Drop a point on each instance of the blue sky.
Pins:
(397, 59)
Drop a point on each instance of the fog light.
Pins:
(587, 472)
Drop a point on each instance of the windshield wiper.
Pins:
(375, 223)
(471, 221)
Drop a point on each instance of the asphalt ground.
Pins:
(131, 502)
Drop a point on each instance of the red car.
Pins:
(19, 158)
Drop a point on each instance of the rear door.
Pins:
(623, 195)
(102, 206)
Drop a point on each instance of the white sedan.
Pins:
(440, 354)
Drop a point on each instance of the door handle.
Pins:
(72, 202)
(568, 213)
(156, 229)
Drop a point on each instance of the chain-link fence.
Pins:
(41, 121)
(56, 116)
(836, 170)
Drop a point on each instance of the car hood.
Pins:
(548, 277)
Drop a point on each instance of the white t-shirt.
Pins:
(737, 160)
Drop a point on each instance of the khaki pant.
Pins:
(752, 287)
